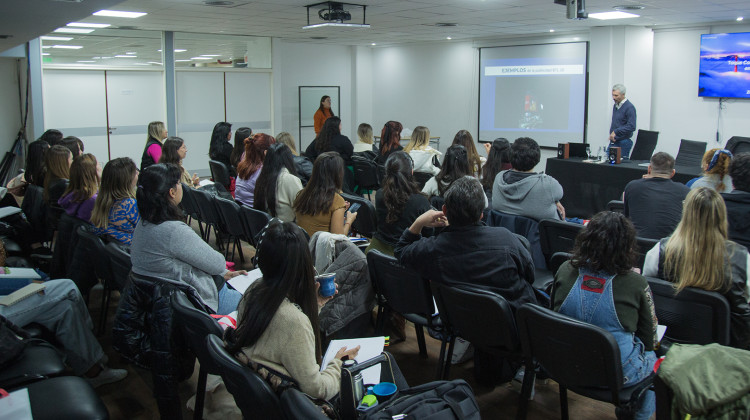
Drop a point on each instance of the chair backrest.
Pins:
(645, 143)
(231, 217)
(524, 226)
(188, 203)
(208, 212)
(690, 153)
(574, 353)
(617, 206)
(253, 221)
(365, 173)
(460, 306)
(252, 394)
(405, 291)
(557, 236)
(35, 210)
(297, 405)
(693, 316)
(738, 144)
(120, 263)
(366, 222)
(644, 245)
(422, 178)
(558, 259)
(95, 247)
(196, 325)
(65, 245)
(220, 173)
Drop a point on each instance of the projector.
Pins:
(576, 9)
(335, 12)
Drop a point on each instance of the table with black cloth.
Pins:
(588, 187)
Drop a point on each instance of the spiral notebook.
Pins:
(22, 293)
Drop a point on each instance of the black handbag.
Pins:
(13, 341)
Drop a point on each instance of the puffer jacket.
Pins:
(143, 333)
(337, 254)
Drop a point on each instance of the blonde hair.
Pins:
(721, 167)
(694, 255)
(116, 185)
(156, 130)
(420, 138)
(84, 179)
(364, 132)
(287, 139)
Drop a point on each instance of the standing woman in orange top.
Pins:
(323, 113)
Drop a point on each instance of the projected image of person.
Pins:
(623, 122)
(532, 112)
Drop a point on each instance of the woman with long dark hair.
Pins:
(330, 139)
(35, 170)
(238, 150)
(80, 196)
(220, 148)
(249, 169)
(464, 138)
(390, 140)
(598, 286)
(698, 254)
(498, 159)
(165, 247)
(455, 166)
(174, 151)
(277, 325)
(115, 211)
(157, 132)
(397, 203)
(323, 113)
(319, 206)
(57, 160)
(277, 184)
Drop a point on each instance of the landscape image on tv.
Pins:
(725, 65)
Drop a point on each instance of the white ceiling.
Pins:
(393, 21)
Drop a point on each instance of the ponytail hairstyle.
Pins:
(716, 162)
(329, 131)
(117, 184)
(285, 260)
(464, 138)
(398, 184)
(58, 166)
(325, 182)
(84, 178)
(154, 202)
(499, 154)
(277, 158)
(390, 137)
(255, 147)
(239, 144)
(455, 166)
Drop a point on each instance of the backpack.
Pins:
(438, 400)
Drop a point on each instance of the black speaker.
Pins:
(563, 150)
(615, 154)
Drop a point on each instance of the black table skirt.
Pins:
(588, 187)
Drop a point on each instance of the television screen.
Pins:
(725, 65)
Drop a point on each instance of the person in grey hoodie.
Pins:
(521, 191)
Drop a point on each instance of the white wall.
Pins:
(677, 111)
(10, 116)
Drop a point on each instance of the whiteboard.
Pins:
(309, 102)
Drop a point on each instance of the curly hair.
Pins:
(329, 131)
(606, 244)
(720, 158)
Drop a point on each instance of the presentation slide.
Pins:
(536, 91)
(725, 65)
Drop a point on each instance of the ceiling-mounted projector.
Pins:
(335, 11)
(576, 9)
(334, 14)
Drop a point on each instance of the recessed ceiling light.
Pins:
(96, 58)
(180, 61)
(210, 55)
(176, 50)
(155, 62)
(629, 7)
(130, 52)
(612, 15)
(45, 53)
(88, 25)
(449, 38)
(552, 30)
(141, 64)
(73, 31)
(118, 13)
(55, 38)
(373, 44)
(46, 46)
(85, 61)
(201, 58)
(740, 19)
(337, 24)
(68, 47)
(126, 56)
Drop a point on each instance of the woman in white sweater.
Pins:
(277, 331)
(277, 184)
(420, 151)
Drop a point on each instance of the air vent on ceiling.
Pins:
(446, 24)
(5, 36)
(218, 3)
(318, 37)
(127, 27)
(69, 1)
(631, 7)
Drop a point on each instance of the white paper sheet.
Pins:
(370, 347)
(16, 406)
(242, 282)
(205, 182)
(7, 211)
(660, 330)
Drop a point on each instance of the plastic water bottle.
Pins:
(599, 153)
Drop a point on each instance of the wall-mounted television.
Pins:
(725, 65)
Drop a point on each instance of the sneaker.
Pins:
(107, 376)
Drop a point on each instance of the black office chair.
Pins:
(645, 143)
(557, 236)
(365, 173)
(738, 144)
(102, 267)
(421, 178)
(38, 361)
(693, 316)
(120, 264)
(496, 334)
(617, 206)
(578, 356)
(253, 222)
(196, 325)
(220, 173)
(297, 405)
(231, 225)
(65, 397)
(190, 207)
(35, 209)
(208, 212)
(252, 394)
(524, 226)
(644, 245)
(404, 291)
(690, 153)
(366, 222)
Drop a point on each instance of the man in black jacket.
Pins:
(468, 252)
(738, 201)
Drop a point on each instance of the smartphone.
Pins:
(354, 207)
